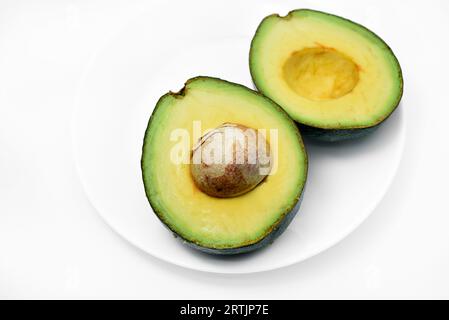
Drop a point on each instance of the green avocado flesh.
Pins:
(211, 224)
(326, 72)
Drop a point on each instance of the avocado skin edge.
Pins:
(332, 134)
(285, 219)
(269, 238)
(335, 135)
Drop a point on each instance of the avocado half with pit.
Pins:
(214, 207)
(334, 77)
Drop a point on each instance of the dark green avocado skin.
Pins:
(335, 135)
(269, 239)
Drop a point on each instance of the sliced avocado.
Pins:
(221, 225)
(334, 77)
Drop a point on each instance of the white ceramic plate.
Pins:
(152, 55)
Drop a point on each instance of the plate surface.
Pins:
(151, 56)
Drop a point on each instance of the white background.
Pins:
(54, 245)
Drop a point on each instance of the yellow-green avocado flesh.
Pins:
(334, 77)
(222, 225)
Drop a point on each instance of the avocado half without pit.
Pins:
(335, 78)
(223, 166)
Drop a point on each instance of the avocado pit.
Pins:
(230, 160)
